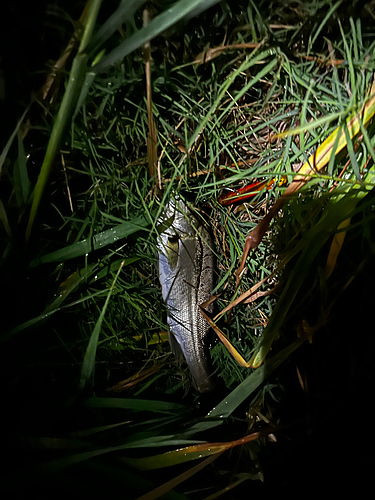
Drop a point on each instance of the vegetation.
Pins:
(234, 93)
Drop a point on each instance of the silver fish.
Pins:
(186, 276)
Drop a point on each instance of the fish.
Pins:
(186, 275)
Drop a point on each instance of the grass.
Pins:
(89, 309)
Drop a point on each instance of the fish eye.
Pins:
(173, 240)
(173, 244)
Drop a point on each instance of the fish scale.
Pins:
(186, 276)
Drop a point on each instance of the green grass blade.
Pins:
(162, 490)
(4, 220)
(309, 247)
(322, 24)
(349, 58)
(36, 473)
(9, 143)
(45, 315)
(229, 404)
(260, 74)
(135, 404)
(243, 391)
(89, 245)
(64, 290)
(162, 22)
(174, 457)
(21, 178)
(67, 107)
(314, 124)
(124, 12)
(89, 79)
(352, 156)
(249, 62)
(88, 364)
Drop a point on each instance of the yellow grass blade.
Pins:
(163, 489)
(336, 142)
(336, 245)
(135, 379)
(189, 453)
(224, 339)
(322, 155)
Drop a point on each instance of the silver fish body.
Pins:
(186, 276)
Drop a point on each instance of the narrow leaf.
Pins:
(190, 453)
(166, 487)
(21, 177)
(336, 245)
(135, 404)
(180, 10)
(9, 143)
(89, 359)
(76, 78)
(124, 12)
(87, 246)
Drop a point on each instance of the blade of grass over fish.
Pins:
(65, 112)
(88, 364)
(179, 11)
(166, 487)
(100, 240)
(190, 453)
